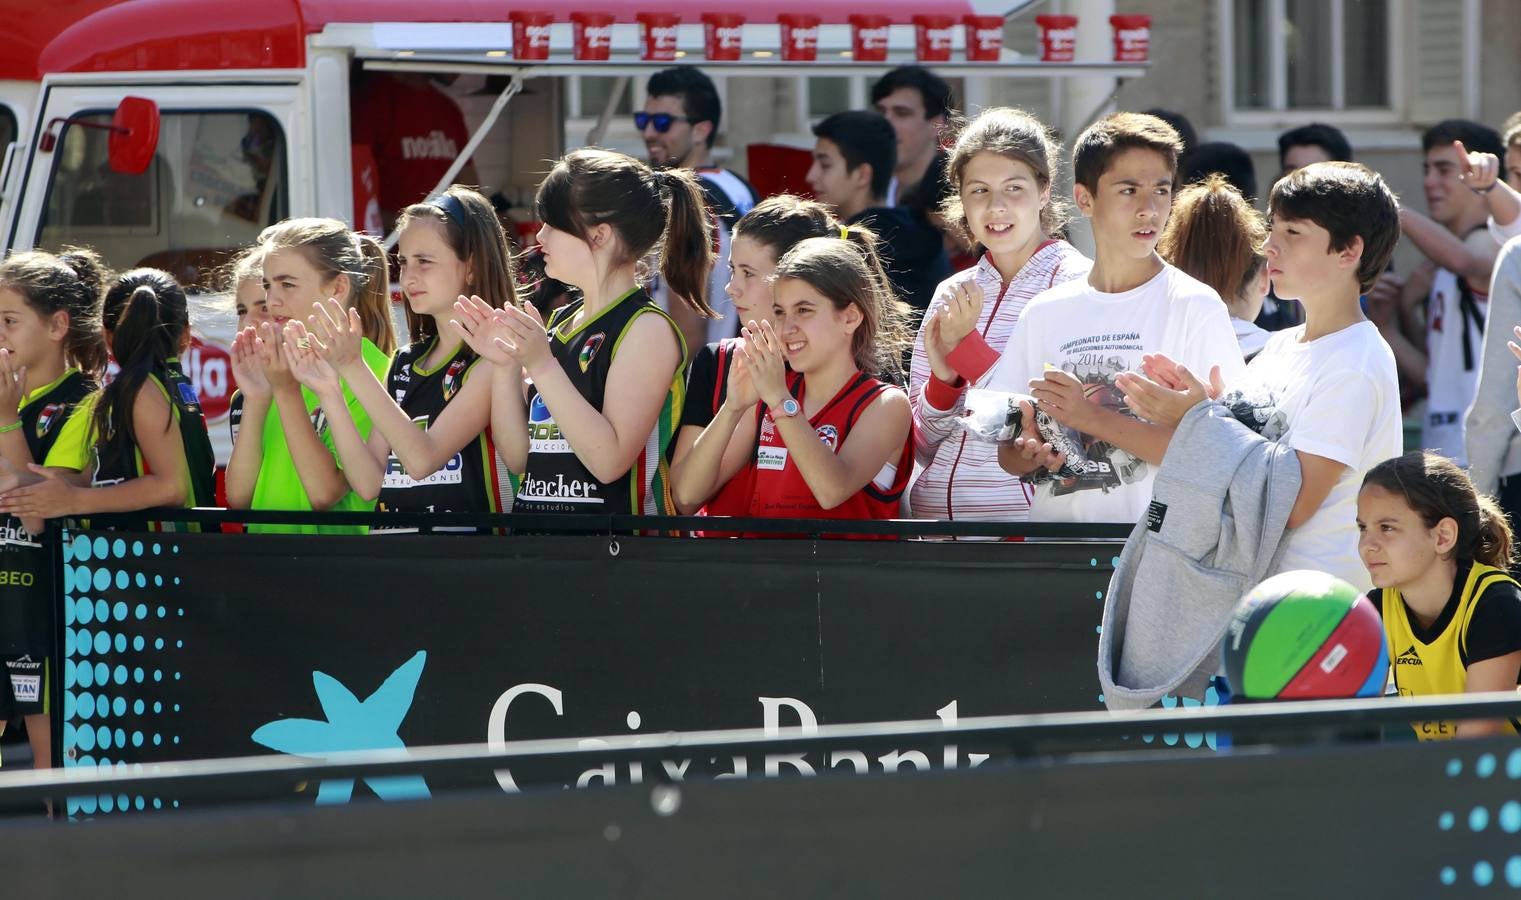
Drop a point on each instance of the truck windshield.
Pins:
(217, 179)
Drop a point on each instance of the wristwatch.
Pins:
(788, 408)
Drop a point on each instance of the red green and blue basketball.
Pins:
(1305, 636)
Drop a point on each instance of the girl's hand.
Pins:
(299, 350)
(935, 349)
(526, 337)
(741, 388)
(336, 334)
(762, 352)
(271, 362)
(958, 317)
(50, 498)
(247, 370)
(12, 386)
(1163, 405)
(483, 328)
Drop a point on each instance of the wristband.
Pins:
(1485, 190)
(7, 429)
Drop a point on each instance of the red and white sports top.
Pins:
(962, 479)
(779, 491)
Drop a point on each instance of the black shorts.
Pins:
(30, 691)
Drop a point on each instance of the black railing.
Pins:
(1026, 737)
(540, 523)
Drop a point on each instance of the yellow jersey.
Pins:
(1428, 662)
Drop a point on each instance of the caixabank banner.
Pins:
(190, 646)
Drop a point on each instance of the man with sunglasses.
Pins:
(679, 124)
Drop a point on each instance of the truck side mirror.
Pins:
(134, 135)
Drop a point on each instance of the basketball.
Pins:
(1305, 636)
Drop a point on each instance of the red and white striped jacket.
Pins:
(961, 479)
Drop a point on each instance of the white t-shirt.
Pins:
(1095, 336)
(1451, 377)
(1340, 399)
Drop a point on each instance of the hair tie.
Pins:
(449, 205)
(844, 232)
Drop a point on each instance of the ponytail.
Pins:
(1435, 489)
(686, 254)
(643, 206)
(1495, 542)
(371, 294)
(148, 318)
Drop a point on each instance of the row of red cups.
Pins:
(1058, 37)
(722, 32)
(800, 36)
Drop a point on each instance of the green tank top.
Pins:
(279, 486)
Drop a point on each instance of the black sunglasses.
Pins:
(662, 121)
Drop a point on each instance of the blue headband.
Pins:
(450, 206)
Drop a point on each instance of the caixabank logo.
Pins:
(353, 724)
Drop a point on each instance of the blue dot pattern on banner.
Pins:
(1507, 817)
(1193, 739)
(109, 703)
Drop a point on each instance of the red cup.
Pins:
(932, 37)
(657, 35)
(984, 38)
(723, 35)
(593, 33)
(868, 37)
(1058, 38)
(800, 37)
(530, 34)
(1132, 38)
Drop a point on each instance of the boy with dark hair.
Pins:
(1225, 158)
(917, 103)
(853, 161)
(679, 124)
(1088, 331)
(1326, 389)
(1312, 143)
(1188, 138)
(1297, 148)
(1441, 349)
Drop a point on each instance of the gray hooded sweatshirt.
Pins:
(1215, 528)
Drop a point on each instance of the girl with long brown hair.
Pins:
(586, 405)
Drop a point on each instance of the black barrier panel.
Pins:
(207, 645)
(1394, 820)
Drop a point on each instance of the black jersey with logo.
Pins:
(556, 481)
(235, 415)
(119, 460)
(26, 598)
(474, 480)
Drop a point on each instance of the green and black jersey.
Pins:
(474, 480)
(556, 481)
(26, 610)
(119, 459)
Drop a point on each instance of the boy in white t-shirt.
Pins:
(1074, 340)
(1328, 387)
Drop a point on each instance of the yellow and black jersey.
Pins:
(1482, 620)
